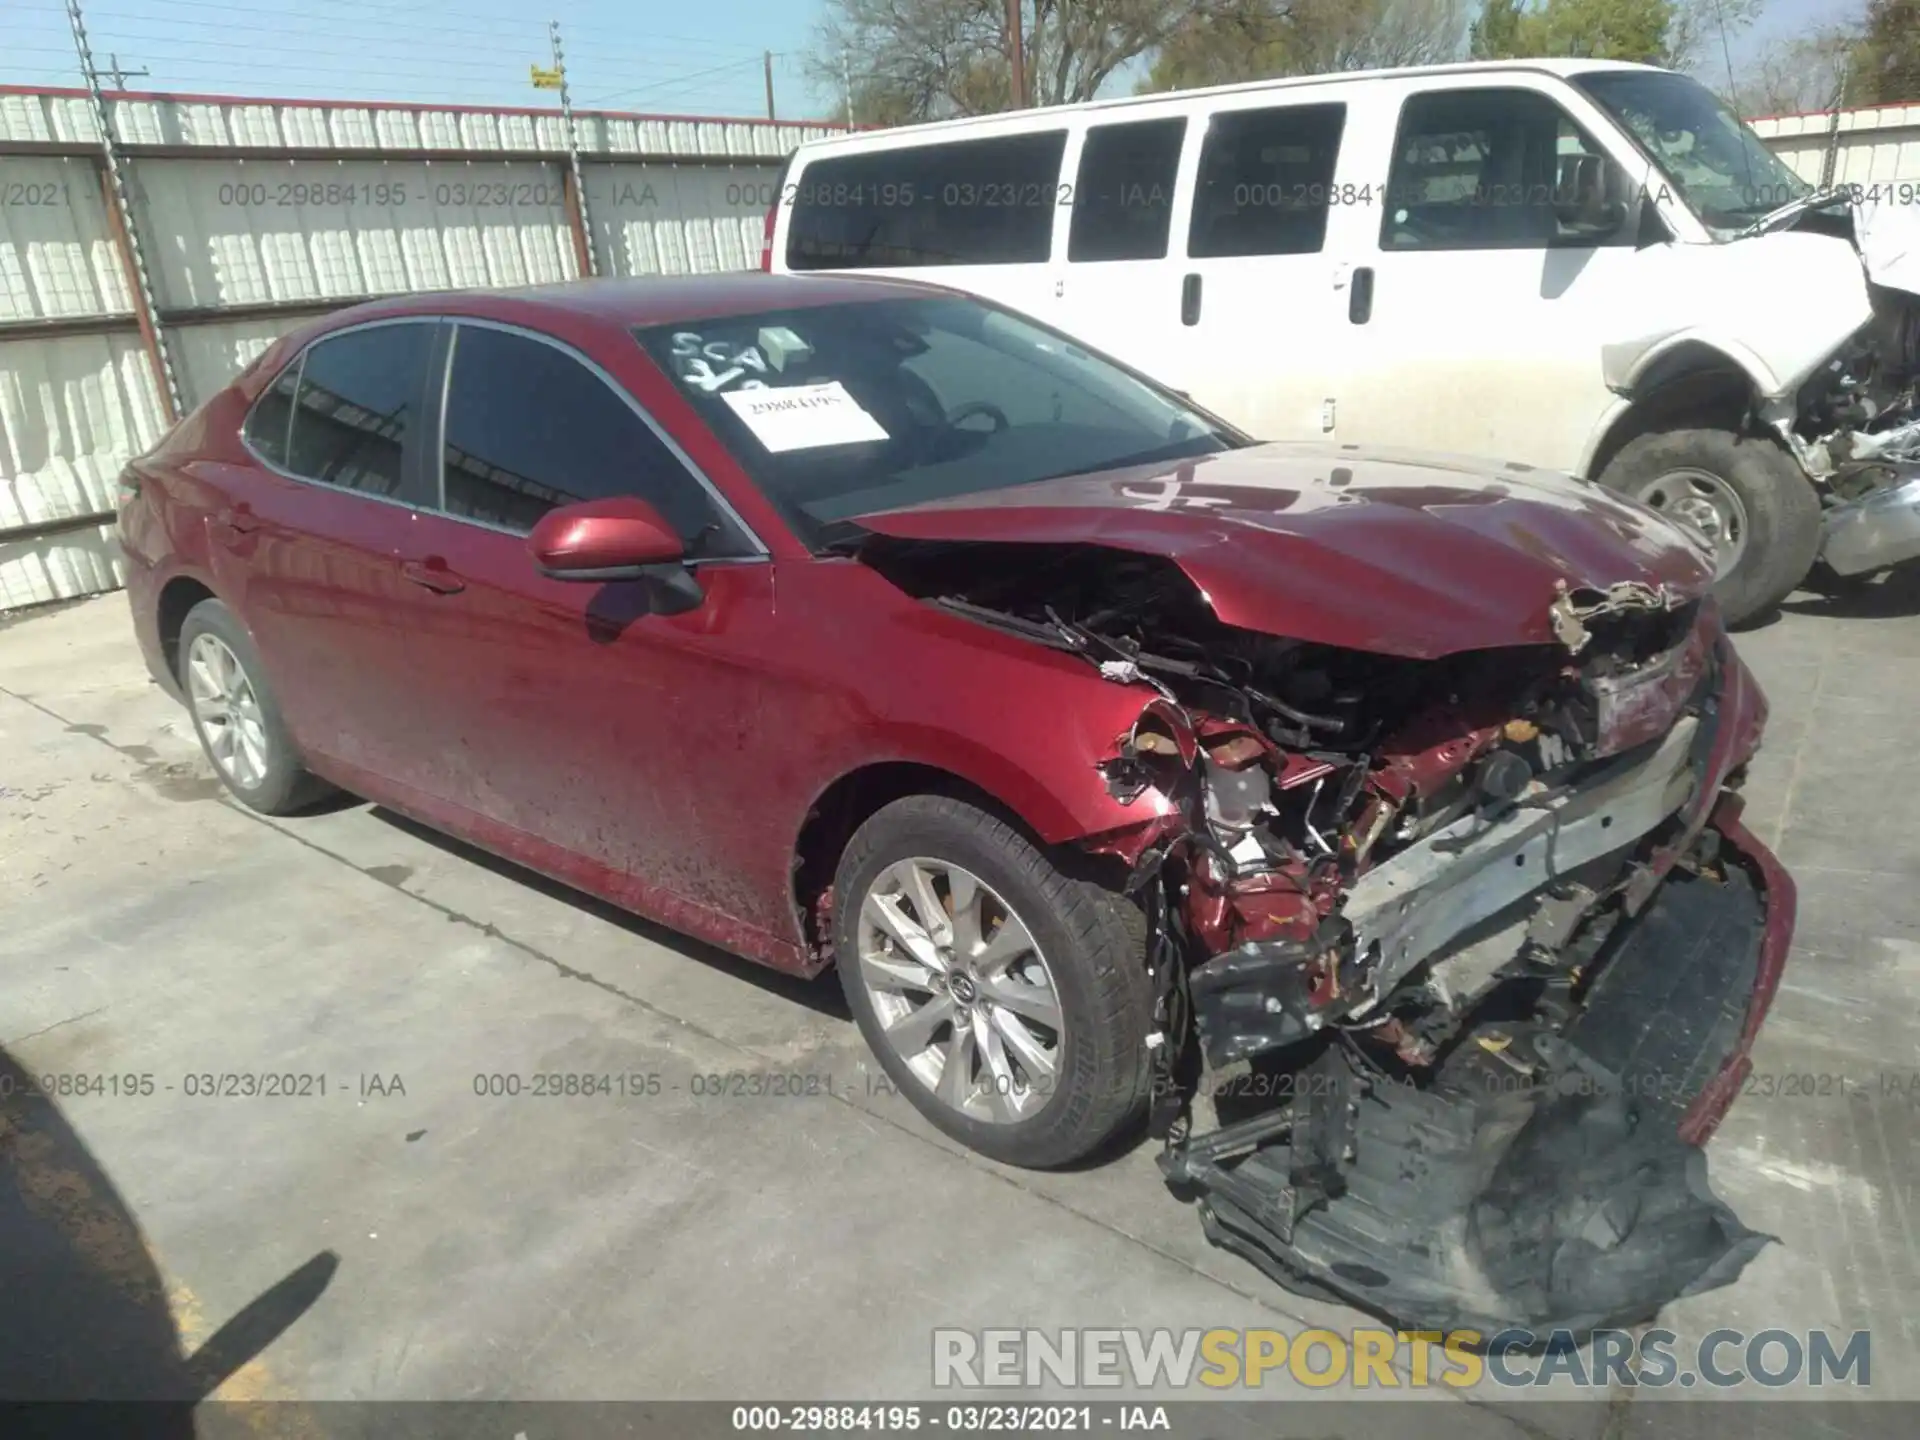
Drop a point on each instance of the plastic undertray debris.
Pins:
(1540, 1183)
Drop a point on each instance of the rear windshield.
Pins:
(843, 410)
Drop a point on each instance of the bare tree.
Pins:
(929, 59)
(1806, 74)
(1261, 38)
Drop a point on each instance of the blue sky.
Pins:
(702, 57)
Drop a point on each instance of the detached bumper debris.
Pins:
(1541, 1179)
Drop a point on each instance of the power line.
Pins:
(493, 44)
(241, 13)
(681, 80)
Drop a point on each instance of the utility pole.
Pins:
(583, 233)
(121, 76)
(1016, 52)
(846, 82)
(768, 55)
(126, 234)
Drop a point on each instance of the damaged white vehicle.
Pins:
(1578, 265)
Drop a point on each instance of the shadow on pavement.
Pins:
(1893, 596)
(821, 994)
(86, 1313)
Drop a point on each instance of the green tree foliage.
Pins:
(1681, 34)
(1599, 29)
(1886, 67)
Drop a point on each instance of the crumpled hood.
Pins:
(1888, 238)
(1393, 552)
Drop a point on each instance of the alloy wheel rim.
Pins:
(962, 992)
(1707, 506)
(227, 711)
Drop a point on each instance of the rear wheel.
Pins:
(1009, 1000)
(1742, 495)
(236, 716)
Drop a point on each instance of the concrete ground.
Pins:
(402, 1236)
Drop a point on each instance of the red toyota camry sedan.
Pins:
(846, 622)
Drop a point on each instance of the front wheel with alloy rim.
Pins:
(236, 716)
(1742, 495)
(1007, 999)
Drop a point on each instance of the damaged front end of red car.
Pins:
(1464, 951)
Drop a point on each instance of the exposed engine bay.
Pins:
(1860, 412)
(1422, 914)
(1854, 424)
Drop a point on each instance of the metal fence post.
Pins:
(126, 235)
(575, 187)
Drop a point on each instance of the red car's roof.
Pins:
(650, 300)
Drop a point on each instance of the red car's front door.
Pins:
(597, 731)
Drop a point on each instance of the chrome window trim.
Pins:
(299, 364)
(757, 546)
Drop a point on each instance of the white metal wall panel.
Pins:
(206, 357)
(56, 252)
(221, 233)
(48, 118)
(59, 567)
(1877, 146)
(238, 232)
(677, 219)
(292, 124)
(72, 411)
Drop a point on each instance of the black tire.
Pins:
(284, 785)
(1094, 944)
(1782, 510)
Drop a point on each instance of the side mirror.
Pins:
(622, 538)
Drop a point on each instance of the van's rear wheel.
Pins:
(1741, 494)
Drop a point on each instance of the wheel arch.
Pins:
(855, 796)
(172, 605)
(1688, 384)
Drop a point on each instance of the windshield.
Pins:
(1719, 166)
(842, 410)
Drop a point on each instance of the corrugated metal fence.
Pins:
(255, 214)
(1874, 146)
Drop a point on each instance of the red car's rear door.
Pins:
(592, 730)
(308, 547)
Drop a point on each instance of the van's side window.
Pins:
(1123, 195)
(1499, 169)
(970, 202)
(1265, 181)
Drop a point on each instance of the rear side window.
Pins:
(1498, 169)
(272, 417)
(970, 202)
(1123, 195)
(1266, 181)
(359, 394)
(529, 427)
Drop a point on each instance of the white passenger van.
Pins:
(1580, 265)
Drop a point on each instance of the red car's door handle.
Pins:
(433, 574)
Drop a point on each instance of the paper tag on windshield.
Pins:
(804, 417)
